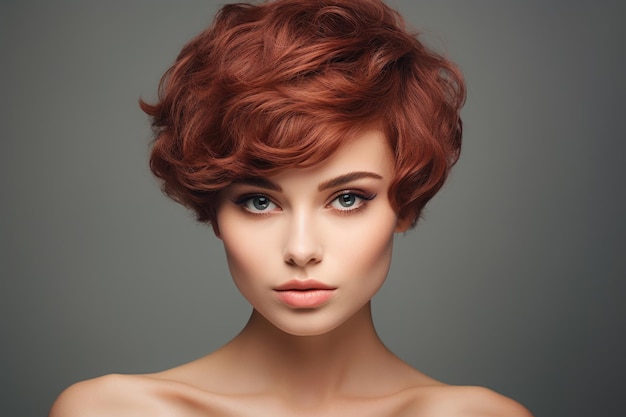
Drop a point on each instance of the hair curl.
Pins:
(285, 83)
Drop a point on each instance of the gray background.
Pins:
(513, 280)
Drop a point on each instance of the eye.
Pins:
(349, 201)
(256, 203)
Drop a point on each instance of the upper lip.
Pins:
(303, 284)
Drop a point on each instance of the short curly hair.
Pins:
(284, 83)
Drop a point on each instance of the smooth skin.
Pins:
(332, 223)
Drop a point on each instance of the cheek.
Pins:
(243, 253)
(244, 264)
(368, 249)
(245, 247)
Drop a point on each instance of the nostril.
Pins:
(302, 260)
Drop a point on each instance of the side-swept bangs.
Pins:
(284, 84)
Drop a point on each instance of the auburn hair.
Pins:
(285, 83)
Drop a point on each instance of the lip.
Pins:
(303, 285)
(304, 293)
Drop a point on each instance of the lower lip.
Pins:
(305, 298)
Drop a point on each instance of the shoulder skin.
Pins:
(468, 401)
(117, 395)
(103, 396)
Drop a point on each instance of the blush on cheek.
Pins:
(371, 251)
(377, 239)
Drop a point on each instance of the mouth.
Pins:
(303, 285)
(304, 293)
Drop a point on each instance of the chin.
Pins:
(306, 329)
(306, 326)
(316, 322)
(307, 332)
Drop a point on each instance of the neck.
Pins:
(310, 369)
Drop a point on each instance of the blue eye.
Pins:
(257, 203)
(350, 201)
(347, 200)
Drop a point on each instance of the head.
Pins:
(285, 84)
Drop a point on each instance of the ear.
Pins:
(403, 224)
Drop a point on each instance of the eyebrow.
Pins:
(261, 183)
(347, 178)
(331, 183)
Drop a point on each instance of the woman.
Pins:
(307, 133)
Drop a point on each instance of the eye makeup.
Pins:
(347, 202)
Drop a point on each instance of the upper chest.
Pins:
(268, 406)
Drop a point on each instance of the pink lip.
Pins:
(303, 284)
(304, 293)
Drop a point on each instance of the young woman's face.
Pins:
(308, 248)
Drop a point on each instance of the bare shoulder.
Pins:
(127, 395)
(103, 396)
(483, 402)
(465, 401)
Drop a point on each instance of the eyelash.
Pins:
(243, 200)
(359, 205)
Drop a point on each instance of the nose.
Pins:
(302, 244)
